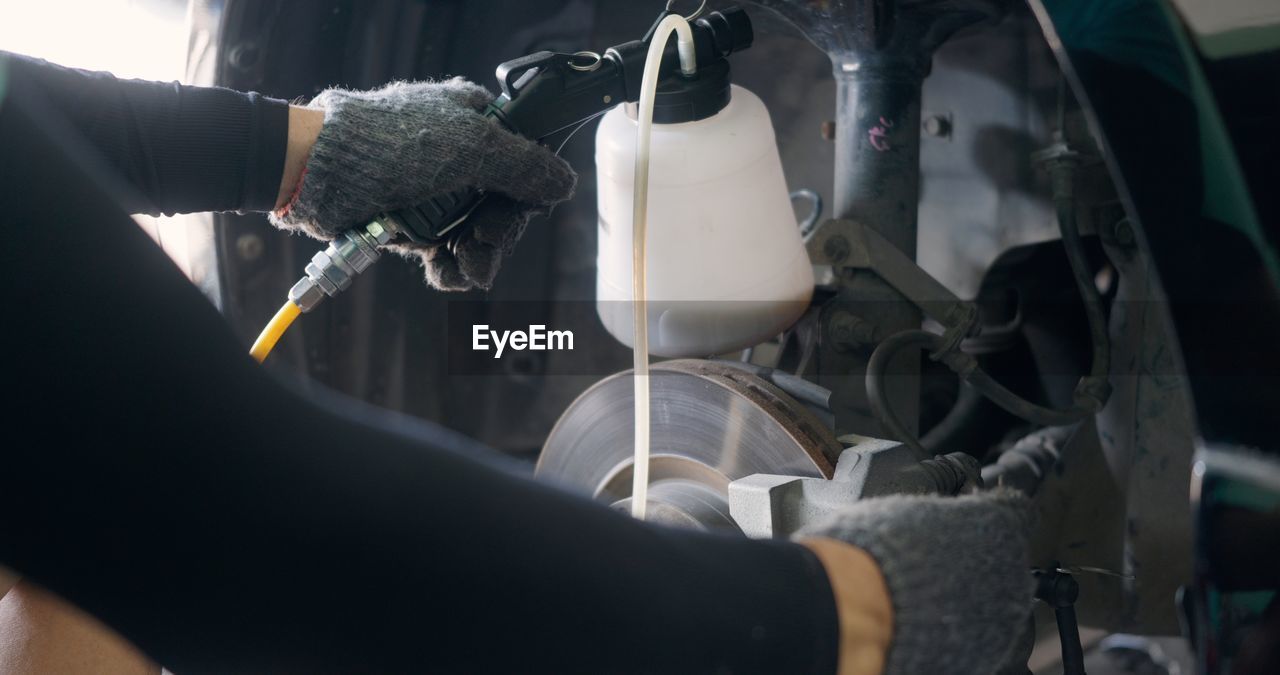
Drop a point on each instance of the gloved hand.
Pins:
(394, 147)
(957, 571)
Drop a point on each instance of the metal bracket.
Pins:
(765, 505)
(847, 244)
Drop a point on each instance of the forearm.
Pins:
(41, 633)
(183, 149)
(7, 580)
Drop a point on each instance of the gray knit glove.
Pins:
(958, 575)
(394, 147)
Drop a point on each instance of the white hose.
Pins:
(639, 215)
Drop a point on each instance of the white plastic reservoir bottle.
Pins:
(726, 264)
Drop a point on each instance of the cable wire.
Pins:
(1020, 407)
(1078, 258)
(573, 132)
(274, 330)
(697, 13)
(878, 398)
(877, 368)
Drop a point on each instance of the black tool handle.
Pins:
(432, 221)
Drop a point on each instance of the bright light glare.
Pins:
(144, 39)
(131, 38)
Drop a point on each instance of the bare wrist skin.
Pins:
(304, 127)
(42, 633)
(862, 605)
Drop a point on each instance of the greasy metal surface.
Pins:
(711, 424)
(1147, 433)
(1120, 499)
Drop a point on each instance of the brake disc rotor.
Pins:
(711, 424)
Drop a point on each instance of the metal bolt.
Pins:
(836, 249)
(828, 130)
(938, 126)
(865, 332)
(379, 232)
(250, 247)
(849, 331)
(841, 328)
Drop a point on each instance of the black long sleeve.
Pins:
(158, 478)
(183, 149)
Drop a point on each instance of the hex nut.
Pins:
(849, 331)
(836, 249)
(306, 294)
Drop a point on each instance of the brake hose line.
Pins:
(274, 330)
(1093, 389)
(677, 24)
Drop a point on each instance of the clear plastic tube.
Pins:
(640, 307)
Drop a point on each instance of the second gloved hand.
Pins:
(394, 147)
(957, 572)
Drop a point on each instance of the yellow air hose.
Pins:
(275, 329)
(330, 272)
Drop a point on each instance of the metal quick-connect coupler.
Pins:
(330, 271)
